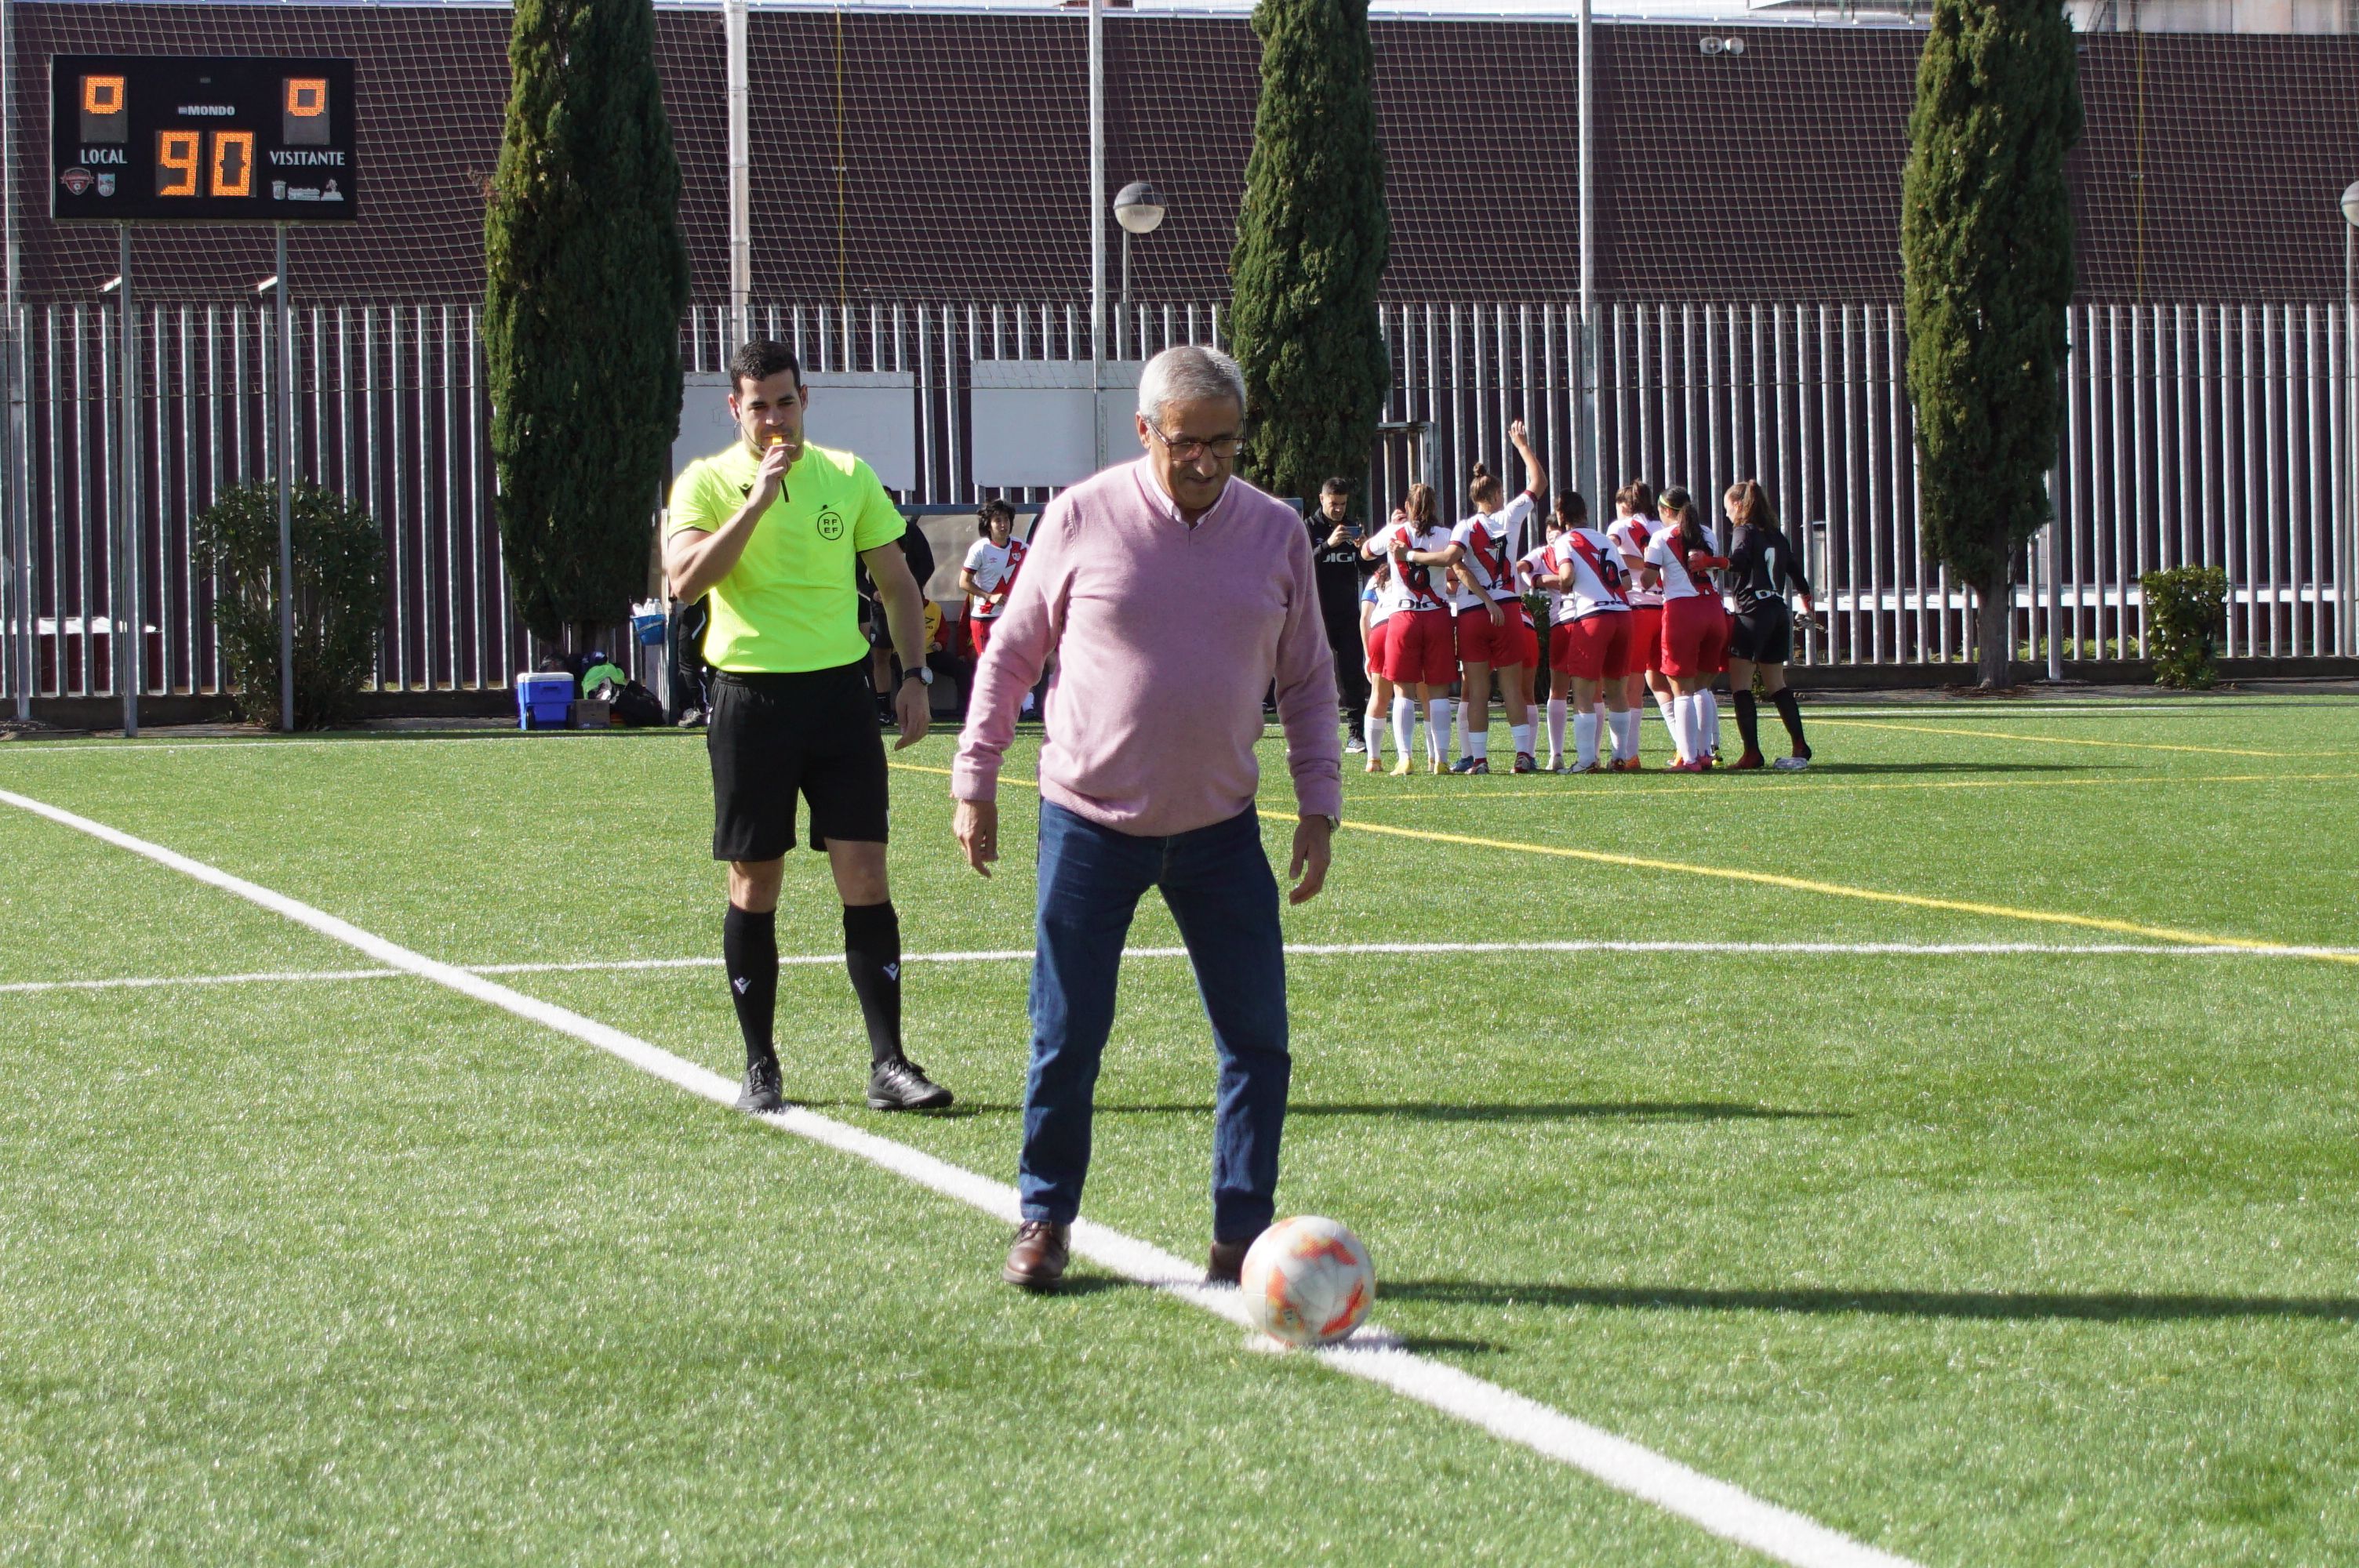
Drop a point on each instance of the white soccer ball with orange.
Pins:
(1307, 1282)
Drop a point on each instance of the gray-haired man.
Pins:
(1174, 594)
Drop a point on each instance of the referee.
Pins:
(772, 528)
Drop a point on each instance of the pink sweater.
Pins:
(1166, 637)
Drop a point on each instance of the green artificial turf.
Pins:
(2027, 1257)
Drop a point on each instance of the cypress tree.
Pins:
(1312, 240)
(1987, 260)
(585, 280)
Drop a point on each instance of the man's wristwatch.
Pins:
(919, 672)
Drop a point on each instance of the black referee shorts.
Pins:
(1764, 634)
(774, 736)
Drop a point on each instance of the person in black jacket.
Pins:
(1336, 561)
(1764, 566)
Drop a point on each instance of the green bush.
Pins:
(339, 599)
(2186, 608)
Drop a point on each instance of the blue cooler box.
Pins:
(544, 701)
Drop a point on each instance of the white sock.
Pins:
(1466, 728)
(1523, 738)
(1372, 728)
(1670, 718)
(1404, 724)
(1626, 734)
(1556, 728)
(1682, 717)
(1707, 721)
(1478, 743)
(1584, 739)
(1437, 728)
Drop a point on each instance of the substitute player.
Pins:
(1420, 646)
(772, 528)
(1495, 629)
(1764, 566)
(989, 570)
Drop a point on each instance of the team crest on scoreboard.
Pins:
(76, 180)
(107, 183)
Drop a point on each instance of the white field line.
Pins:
(1294, 950)
(1712, 1505)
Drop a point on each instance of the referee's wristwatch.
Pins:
(919, 672)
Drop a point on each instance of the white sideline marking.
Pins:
(1715, 1506)
(1294, 950)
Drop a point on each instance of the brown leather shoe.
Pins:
(1038, 1259)
(1228, 1260)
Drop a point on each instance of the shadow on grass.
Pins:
(2100, 1307)
(1433, 1110)
(1914, 769)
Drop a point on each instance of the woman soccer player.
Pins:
(1762, 567)
(1589, 641)
(1375, 616)
(1420, 651)
(989, 571)
(1677, 557)
(1633, 526)
(1495, 629)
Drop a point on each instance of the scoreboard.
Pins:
(201, 139)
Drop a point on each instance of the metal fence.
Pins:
(2196, 433)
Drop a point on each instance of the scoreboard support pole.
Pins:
(130, 637)
(283, 414)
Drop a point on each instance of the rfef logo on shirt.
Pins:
(831, 525)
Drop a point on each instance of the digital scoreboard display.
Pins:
(201, 139)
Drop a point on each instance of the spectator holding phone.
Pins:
(1335, 560)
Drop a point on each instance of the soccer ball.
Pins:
(1307, 1282)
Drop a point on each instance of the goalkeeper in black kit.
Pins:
(1764, 566)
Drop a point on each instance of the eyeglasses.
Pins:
(1224, 448)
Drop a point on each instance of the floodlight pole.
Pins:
(1587, 471)
(283, 412)
(741, 195)
(128, 652)
(15, 516)
(1097, 230)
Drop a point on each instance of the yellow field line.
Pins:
(2051, 739)
(1613, 791)
(1792, 884)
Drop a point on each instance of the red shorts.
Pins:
(1646, 638)
(1377, 644)
(1419, 648)
(978, 632)
(1595, 647)
(1693, 629)
(1512, 641)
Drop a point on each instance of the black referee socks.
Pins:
(1748, 722)
(872, 952)
(1791, 712)
(749, 949)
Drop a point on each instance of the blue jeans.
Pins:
(1218, 885)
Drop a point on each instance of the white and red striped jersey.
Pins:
(1489, 540)
(1589, 557)
(1664, 554)
(1412, 586)
(1533, 565)
(994, 570)
(1630, 535)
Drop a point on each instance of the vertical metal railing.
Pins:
(2202, 432)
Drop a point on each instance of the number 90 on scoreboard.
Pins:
(201, 139)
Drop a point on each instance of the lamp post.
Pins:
(1139, 208)
(2350, 424)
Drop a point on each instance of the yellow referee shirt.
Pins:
(788, 603)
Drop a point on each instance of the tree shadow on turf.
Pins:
(2098, 1307)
